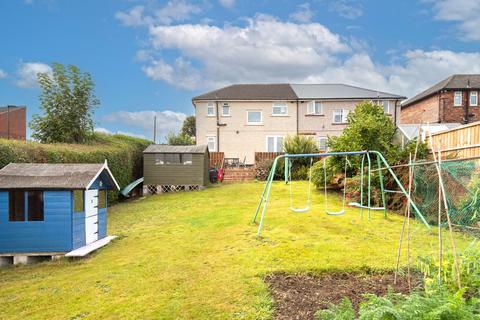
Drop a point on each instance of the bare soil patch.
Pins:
(300, 296)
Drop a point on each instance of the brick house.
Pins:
(13, 122)
(452, 100)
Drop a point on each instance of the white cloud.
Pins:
(349, 9)
(133, 17)
(303, 14)
(265, 49)
(227, 3)
(3, 74)
(28, 71)
(463, 12)
(174, 10)
(167, 121)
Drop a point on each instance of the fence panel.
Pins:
(461, 142)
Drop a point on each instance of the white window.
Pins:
(340, 115)
(212, 143)
(225, 110)
(314, 108)
(210, 109)
(322, 143)
(474, 98)
(386, 106)
(254, 117)
(280, 109)
(457, 99)
(274, 143)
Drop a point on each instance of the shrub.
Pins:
(123, 153)
(262, 169)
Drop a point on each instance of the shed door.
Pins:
(91, 216)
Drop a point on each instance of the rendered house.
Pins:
(242, 119)
(452, 100)
(52, 209)
(13, 122)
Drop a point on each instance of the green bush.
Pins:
(262, 169)
(123, 153)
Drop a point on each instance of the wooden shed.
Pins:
(53, 209)
(175, 168)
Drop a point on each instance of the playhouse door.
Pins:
(91, 216)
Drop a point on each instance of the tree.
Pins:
(179, 139)
(188, 127)
(68, 102)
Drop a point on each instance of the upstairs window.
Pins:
(474, 98)
(274, 144)
(78, 201)
(254, 117)
(386, 106)
(280, 109)
(35, 205)
(210, 109)
(322, 143)
(16, 204)
(225, 110)
(340, 116)
(315, 108)
(457, 99)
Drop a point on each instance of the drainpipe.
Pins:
(467, 92)
(395, 113)
(218, 125)
(297, 116)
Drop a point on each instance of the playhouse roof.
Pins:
(52, 176)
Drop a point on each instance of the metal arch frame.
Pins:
(380, 158)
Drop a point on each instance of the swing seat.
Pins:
(358, 205)
(335, 213)
(300, 209)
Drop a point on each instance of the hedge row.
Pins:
(123, 153)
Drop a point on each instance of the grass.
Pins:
(195, 256)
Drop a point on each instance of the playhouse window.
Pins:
(35, 205)
(16, 203)
(102, 199)
(78, 201)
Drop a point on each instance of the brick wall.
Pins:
(426, 110)
(17, 129)
(457, 114)
(439, 108)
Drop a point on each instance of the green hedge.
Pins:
(123, 153)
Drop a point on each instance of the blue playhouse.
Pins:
(53, 209)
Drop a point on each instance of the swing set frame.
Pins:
(380, 159)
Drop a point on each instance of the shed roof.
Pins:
(51, 176)
(339, 91)
(161, 148)
(456, 81)
(271, 91)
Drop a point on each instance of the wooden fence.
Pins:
(262, 156)
(460, 142)
(216, 159)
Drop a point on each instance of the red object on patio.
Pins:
(220, 175)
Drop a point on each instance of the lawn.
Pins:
(196, 256)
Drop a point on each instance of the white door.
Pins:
(91, 216)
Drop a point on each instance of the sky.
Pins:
(151, 57)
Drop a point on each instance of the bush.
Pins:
(262, 169)
(123, 153)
